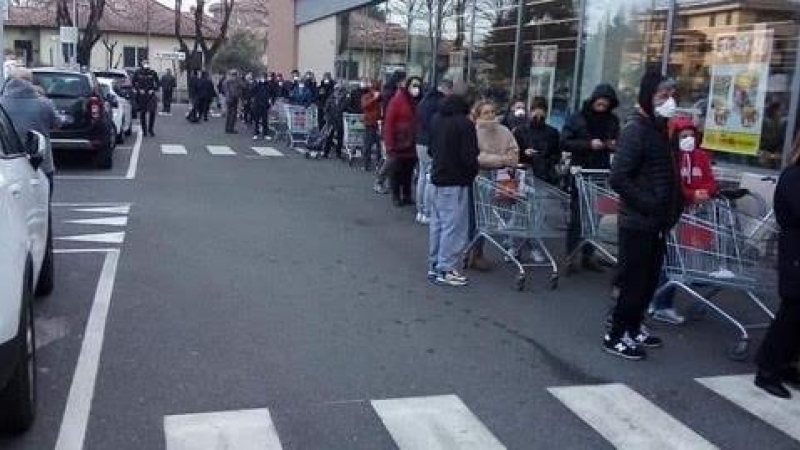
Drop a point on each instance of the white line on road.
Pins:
(79, 402)
(84, 250)
(220, 150)
(117, 221)
(628, 420)
(173, 149)
(87, 204)
(124, 209)
(739, 389)
(240, 430)
(434, 423)
(137, 147)
(116, 237)
(267, 151)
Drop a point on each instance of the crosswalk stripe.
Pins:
(173, 149)
(102, 238)
(267, 151)
(241, 430)
(105, 209)
(628, 420)
(434, 423)
(739, 389)
(220, 150)
(116, 221)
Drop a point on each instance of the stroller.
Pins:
(319, 141)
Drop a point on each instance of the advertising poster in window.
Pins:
(543, 74)
(737, 92)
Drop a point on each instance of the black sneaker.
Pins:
(645, 339)
(624, 348)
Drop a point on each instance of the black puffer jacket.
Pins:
(453, 144)
(787, 212)
(544, 139)
(585, 125)
(645, 175)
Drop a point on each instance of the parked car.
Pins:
(120, 108)
(87, 123)
(122, 77)
(26, 269)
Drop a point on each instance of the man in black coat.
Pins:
(590, 135)
(168, 85)
(538, 142)
(261, 94)
(777, 358)
(645, 175)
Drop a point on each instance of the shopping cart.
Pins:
(354, 131)
(599, 211)
(519, 210)
(277, 122)
(300, 122)
(719, 247)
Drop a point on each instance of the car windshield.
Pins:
(63, 85)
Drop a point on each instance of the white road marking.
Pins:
(117, 221)
(90, 177)
(126, 209)
(628, 420)
(434, 423)
(267, 151)
(220, 150)
(100, 238)
(87, 204)
(739, 389)
(173, 149)
(79, 402)
(134, 162)
(83, 250)
(240, 430)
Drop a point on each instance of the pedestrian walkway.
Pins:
(90, 223)
(622, 416)
(220, 150)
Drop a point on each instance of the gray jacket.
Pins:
(30, 111)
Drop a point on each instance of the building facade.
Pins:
(735, 61)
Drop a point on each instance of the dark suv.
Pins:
(85, 115)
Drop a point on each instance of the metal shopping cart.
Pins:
(300, 122)
(599, 211)
(354, 131)
(277, 122)
(715, 245)
(520, 209)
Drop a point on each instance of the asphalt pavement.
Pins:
(286, 297)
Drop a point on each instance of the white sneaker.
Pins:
(452, 278)
(255, 137)
(424, 220)
(418, 219)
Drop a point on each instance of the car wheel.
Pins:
(129, 131)
(105, 156)
(120, 137)
(44, 286)
(18, 397)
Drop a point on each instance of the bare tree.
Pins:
(202, 52)
(110, 46)
(90, 31)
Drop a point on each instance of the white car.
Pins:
(26, 269)
(120, 108)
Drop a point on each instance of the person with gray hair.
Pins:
(30, 110)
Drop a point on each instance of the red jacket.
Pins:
(371, 106)
(694, 166)
(400, 127)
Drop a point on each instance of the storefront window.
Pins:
(547, 54)
(734, 62)
(494, 45)
(623, 40)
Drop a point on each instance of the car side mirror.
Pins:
(35, 146)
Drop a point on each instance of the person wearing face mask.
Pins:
(498, 151)
(302, 94)
(539, 142)
(415, 89)
(698, 186)
(590, 135)
(145, 84)
(645, 175)
(399, 134)
(516, 115)
(426, 111)
(261, 100)
(324, 92)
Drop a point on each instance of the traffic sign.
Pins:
(68, 35)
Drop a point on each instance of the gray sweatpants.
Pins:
(423, 181)
(449, 227)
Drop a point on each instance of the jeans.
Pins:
(574, 230)
(401, 178)
(447, 232)
(423, 181)
(641, 257)
(371, 141)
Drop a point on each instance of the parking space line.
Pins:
(241, 430)
(134, 161)
(72, 433)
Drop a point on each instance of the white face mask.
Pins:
(687, 144)
(302, 85)
(519, 112)
(414, 91)
(667, 109)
